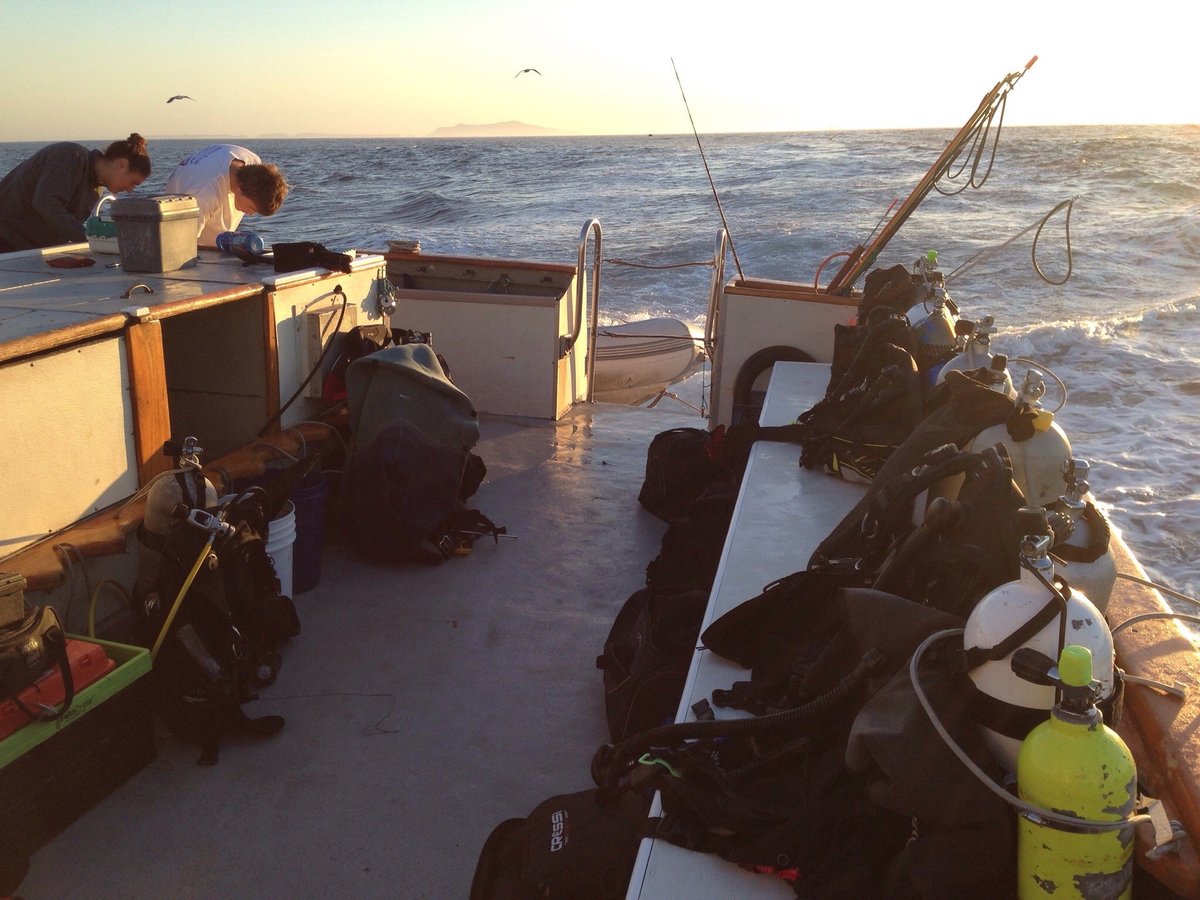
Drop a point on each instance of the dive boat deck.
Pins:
(424, 705)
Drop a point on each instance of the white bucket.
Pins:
(279, 547)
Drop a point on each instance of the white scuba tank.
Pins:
(1037, 461)
(165, 495)
(974, 346)
(1013, 706)
(1085, 558)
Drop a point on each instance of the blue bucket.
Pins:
(309, 499)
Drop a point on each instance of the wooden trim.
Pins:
(271, 359)
(61, 338)
(148, 388)
(68, 335)
(787, 290)
(191, 304)
(444, 295)
(106, 533)
(515, 264)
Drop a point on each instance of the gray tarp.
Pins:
(406, 382)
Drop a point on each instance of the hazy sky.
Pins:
(74, 70)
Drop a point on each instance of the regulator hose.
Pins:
(1036, 813)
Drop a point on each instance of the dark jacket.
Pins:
(45, 199)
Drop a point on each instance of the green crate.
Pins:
(132, 664)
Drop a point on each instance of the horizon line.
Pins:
(571, 134)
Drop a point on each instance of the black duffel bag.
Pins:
(29, 650)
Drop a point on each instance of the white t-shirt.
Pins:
(205, 175)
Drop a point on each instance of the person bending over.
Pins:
(227, 181)
(45, 200)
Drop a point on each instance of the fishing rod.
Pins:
(737, 262)
(863, 256)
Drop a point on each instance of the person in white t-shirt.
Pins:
(227, 182)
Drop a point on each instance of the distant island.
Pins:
(495, 129)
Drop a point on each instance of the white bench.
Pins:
(782, 513)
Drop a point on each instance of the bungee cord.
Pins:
(978, 139)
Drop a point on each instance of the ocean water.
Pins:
(1123, 332)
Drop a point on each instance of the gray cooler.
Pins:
(156, 234)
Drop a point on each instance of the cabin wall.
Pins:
(306, 318)
(65, 460)
(755, 316)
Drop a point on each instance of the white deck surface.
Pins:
(424, 704)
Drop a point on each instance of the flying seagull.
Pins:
(180, 97)
(523, 71)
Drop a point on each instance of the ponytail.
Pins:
(133, 148)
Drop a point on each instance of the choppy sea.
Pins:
(1122, 332)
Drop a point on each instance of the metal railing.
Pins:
(590, 226)
(714, 293)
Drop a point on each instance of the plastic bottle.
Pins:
(248, 241)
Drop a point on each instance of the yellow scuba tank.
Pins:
(1075, 764)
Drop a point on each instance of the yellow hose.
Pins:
(109, 583)
(187, 583)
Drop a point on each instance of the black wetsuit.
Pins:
(46, 198)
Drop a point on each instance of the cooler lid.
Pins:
(162, 206)
(11, 582)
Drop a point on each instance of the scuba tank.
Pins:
(1037, 457)
(1074, 763)
(974, 351)
(932, 317)
(1027, 613)
(172, 495)
(1083, 537)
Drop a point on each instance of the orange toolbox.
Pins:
(89, 663)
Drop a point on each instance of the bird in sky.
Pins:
(180, 97)
(523, 71)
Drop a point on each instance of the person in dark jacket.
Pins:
(45, 200)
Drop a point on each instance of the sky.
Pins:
(74, 70)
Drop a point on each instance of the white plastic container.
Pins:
(279, 546)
